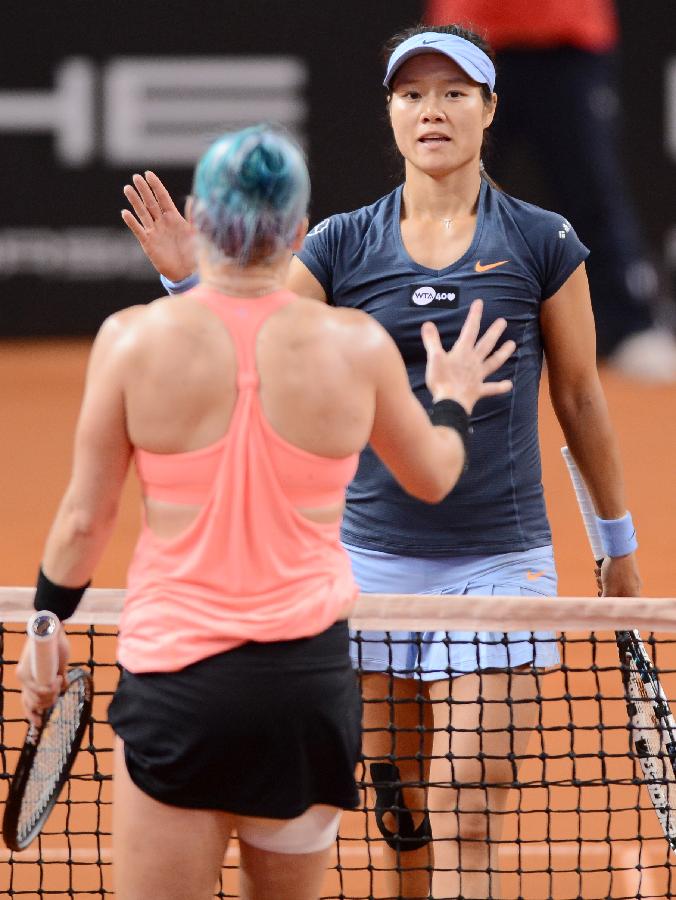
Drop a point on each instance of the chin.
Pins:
(437, 169)
(441, 167)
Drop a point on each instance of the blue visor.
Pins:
(465, 54)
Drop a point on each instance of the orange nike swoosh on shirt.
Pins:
(533, 576)
(479, 268)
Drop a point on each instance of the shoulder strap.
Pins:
(243, 318)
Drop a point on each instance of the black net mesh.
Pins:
(504, 783)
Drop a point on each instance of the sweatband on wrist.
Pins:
(62, 601)
(179, 287)
(618, 536)
(452, 414)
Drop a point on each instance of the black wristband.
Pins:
(62, 601)
(452, 414)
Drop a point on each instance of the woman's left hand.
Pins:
(37, 698)
(619, 576)
(460, 373)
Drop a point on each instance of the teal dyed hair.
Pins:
(250, 193)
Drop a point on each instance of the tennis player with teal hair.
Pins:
(444, 237)
(244, 407)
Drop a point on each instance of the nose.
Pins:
(431, 112)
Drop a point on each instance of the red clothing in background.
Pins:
(587, 24)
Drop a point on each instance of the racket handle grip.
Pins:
(43, 633)
(586, 505)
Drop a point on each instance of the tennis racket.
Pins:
(49, 751)
(652, 725)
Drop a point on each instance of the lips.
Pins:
(433, 137)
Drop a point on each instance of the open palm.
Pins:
(460, 373)
(166, 237)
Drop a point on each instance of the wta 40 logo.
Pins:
(441, 295)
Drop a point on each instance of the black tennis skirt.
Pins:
(262, 730)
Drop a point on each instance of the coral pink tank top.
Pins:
(250, 567)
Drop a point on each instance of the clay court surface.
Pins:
(40, 388)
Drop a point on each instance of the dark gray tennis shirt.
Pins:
(520, 256)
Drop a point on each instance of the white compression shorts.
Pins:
(314, 830)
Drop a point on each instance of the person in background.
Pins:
(559, 102)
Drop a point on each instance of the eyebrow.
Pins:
(456, 79)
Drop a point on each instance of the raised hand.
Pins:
(164, 234)
(460, 373)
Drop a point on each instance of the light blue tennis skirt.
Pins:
(436, 655)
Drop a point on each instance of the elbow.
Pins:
(83, 525)
(442, 490)
(434, 496)
(574, 402)
(438, 486)
(80, 526)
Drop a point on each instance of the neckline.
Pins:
(471, 250)
(224, 297)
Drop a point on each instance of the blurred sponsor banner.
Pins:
(92, 92)
(156, 109)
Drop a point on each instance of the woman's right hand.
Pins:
(459, 373)
(165, 236)
(36, 697)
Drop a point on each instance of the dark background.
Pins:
(346, 134)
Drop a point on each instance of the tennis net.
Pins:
(531, 781)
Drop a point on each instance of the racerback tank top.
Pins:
(250, 567)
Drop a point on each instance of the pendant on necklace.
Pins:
(447, 223)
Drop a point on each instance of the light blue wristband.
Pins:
(180, 287)
(618, 536)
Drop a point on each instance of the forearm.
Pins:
(585, 421)
(76, 542)
(567, 327)
(442, 467)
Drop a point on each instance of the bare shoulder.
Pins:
(131, 331)
(355, 331)
(117, 327)
(136, 323)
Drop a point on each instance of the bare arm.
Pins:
(569, 339)
(427, 460)
(87, 512)
(301, 281)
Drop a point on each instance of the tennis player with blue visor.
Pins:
(444, 237)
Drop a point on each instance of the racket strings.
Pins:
(51, 757)
(654, 733)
